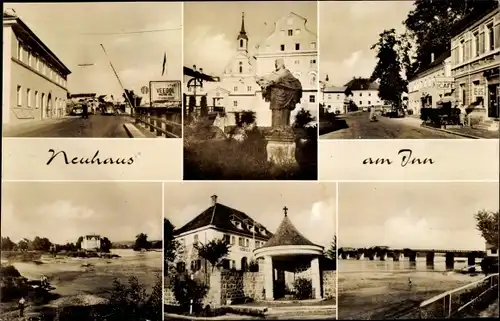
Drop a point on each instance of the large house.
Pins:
(333, 97)
(91, 242)
(34, 78)
(236, 90)
(475, 65)
(219, 221)
(432, 83)
(363, 92)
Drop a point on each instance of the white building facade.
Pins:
(333, 99)
(91, 242)
(34, 79)
(242, 233)
(475, 60)
(237, 90)
(427, 87)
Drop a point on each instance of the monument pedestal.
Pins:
(281, 147)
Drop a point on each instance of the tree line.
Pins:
(429, 29)
(43, 244)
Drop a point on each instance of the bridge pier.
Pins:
(429, 258)
(383, 257)
(471, 261)
(412, 256)
(450, 260)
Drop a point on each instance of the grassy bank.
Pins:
(207, 157)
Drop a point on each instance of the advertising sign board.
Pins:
(165, 93)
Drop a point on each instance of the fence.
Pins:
(164, 123)
(456, 301)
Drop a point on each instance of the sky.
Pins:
(311, 206)
(211, 28)
(69, 30)
(347, 31)
(64, 211)
(414, 215)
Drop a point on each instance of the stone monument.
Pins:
(283, 91)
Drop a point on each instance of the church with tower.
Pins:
(237, 91)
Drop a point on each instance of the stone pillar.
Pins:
(412, 256)
(269, 277)
(471, 259)
(450, 261)
(429, 258)
(316, 278)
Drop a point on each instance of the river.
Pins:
(389, 290)
(74, 276)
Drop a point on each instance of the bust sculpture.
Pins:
(283, 91)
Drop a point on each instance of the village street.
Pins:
(358, 126)
(94, 126)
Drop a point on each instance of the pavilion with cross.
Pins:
(286, 256)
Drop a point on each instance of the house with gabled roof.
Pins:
(219, 221)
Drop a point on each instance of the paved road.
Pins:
(94, 126)
(360, 127)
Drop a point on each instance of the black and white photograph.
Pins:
(250, 90)
(268, 253)
(418, 250)
(92, 70)
(409, 69)
(81, 251)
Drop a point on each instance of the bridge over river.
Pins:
(384, 253)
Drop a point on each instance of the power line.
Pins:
(130, 32)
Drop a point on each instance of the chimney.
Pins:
(432, 57)
(214, 199)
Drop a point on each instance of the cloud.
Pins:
(208, 49)
(64, 210)
(358, 64)
(318, 223)
(407, 230)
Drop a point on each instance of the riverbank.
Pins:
(394, 294)
(89, 281)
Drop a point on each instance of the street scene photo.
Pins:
(268, 253)
(409, 69)
(100, 70)
(81, 251)
(250, 90)
(418, 251)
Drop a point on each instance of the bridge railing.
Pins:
(456, 301)
(161, 124)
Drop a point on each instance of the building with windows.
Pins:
(334, 99)
(220, 222)
(363, 92)
(91, 242)
(34, 79)
(431, 84)
(475, 64)
(491, 250)
(237, 91)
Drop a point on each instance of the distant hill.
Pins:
(126, 244)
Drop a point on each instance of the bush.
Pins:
(253, 266)
(131, 301)
(303, 288)
(9, 271)
(245, 117)
(186, 290)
